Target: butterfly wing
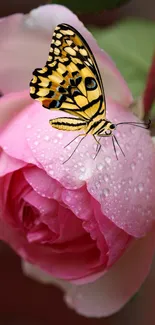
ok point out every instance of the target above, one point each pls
(70, 80)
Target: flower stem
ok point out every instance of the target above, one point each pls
(149, 92)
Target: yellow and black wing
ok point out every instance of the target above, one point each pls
(70, 81)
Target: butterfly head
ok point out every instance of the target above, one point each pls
(108, 129)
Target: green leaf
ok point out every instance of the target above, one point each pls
(131, 45)
(91, 6)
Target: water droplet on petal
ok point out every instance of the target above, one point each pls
(130, 180)
(108, 160)
(140, 187)
(59, 135)
(29, 126)
(133, 165)
(36, 143)
(67, 198)
(100, 167)
(106, 192)
(139, 154)
(46, 138)
(106, 178)
(119, 185)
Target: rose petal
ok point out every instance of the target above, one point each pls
(9, 164)
(24, 36)
(109, 181)
(42, 183)
(12, 104)
(37, 274)
(15, 146)
(110, 293)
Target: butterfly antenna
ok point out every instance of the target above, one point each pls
(74, 149)
(138, 124)
(114, 147)
(119, 145)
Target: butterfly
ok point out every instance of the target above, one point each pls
(71, 82)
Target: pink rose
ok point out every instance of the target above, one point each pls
(74, 220)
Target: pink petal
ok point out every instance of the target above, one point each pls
(117, 240)
(42, 183)
(9, 164)
(24, 46)
(37, 274)
(111, 292)
(12, 135)
(12, 104)
(124, 187)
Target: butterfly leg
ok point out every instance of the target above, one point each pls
(84, 135)
(73, 140)
(98, 148)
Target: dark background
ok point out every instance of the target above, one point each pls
(22, 300)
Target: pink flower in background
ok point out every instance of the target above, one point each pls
(74, 220)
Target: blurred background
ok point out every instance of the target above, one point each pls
(24, 301)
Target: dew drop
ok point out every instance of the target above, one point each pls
(29, 126)
(100, 167)
(108, 160)
(133, 165)
(36, 143)
(55, 140)
(67, 198)
(51, 172)
(147, 196)
(130, 180)
(38, 136)
(106, 192)
(140, 187)
(82, 169)
(139, 154)
(59, 135)
(97, 184)
(106, 178)
(46, 138)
